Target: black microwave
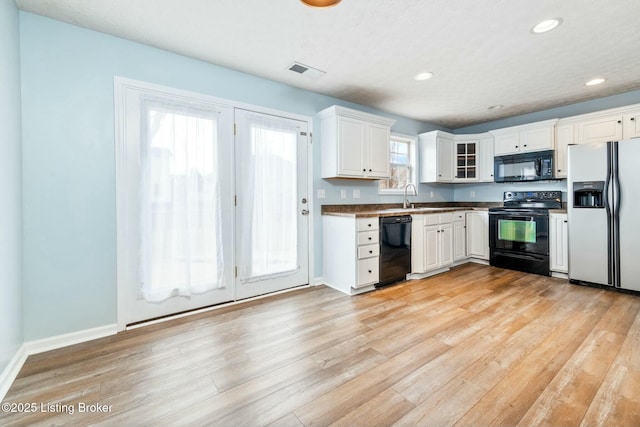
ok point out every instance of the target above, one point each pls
(536, 166)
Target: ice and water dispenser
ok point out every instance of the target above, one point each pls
(588, 194)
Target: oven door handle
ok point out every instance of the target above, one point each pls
(527, 217)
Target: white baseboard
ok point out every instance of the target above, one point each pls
(8, 376)
(318, 281)
(64, 340)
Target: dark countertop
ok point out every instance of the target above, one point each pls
(393, 209)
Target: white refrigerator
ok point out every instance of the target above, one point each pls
(603, 200)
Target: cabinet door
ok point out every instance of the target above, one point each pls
(631, 125)
(508, 143)
(537, 139)
(486, 160)
(351, 136)
(564, 138)
(478, 235)
(602, 129)
(431, 255)
(445, 160)
(459, 240)
(446, 244)
(558, 243)
(377, 150)
(466, 159)
(368, 271)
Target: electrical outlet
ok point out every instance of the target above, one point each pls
(431, 194)
(321, 193)
(473, 194)
(343, 194)
(356, 193)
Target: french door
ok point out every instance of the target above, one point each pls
(272, 203)
(205, 216)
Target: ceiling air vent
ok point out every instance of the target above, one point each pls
(306, 70)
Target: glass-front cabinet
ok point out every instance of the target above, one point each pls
(466, 159)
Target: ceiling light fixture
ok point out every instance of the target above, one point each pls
(424, 76)
(496, 107)
(594, 82)
(546, 25)
(320, 3)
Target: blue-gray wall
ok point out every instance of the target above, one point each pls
(10, 214)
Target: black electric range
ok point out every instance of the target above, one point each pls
(519, 231)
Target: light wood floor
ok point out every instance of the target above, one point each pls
(477, 346)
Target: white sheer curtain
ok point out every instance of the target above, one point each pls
(181, 243)
(268, 180)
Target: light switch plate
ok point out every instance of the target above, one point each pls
(321, 193)
(356, 193)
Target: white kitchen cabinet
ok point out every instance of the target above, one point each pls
(431, 242)
(459, 236)
(478, 234)
(631, 125)
(354, 144)
(538, 136)
(558, 243)
(600, 129)
(466, 156)
(564, 138)
(351, 253)
(486, 159)
(436, 157)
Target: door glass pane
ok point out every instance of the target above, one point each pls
(269, 194)
(181, 245)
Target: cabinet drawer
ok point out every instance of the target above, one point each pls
(368, 271)
(366, 224)
(431, 219)
(446, 218)
(459, 216)
(367, 237)
(368, 251)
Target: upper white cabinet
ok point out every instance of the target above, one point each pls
(354, 144)
(436, 157)
(631, 125)
(456, 158)
(609, 125)
(600, 129)
(538, 136)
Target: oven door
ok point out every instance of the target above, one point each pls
(520, 241)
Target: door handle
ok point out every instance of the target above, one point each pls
(305, 212)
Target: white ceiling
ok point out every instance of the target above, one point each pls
(481, 51)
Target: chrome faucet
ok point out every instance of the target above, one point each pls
(405, 202)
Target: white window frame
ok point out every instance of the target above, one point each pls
(413, 164)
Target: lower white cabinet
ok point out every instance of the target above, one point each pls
(351, 253)
(459, 236)
(431, 242)
(558, 243)
(478, 234)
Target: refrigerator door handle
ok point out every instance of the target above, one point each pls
(607, 206)
(617, 203)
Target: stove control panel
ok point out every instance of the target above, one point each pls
(532, 196)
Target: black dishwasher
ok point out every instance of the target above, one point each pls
(395, 249)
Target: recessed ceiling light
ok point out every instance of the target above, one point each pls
(320, 3)
(546, 25)
(424, 76)
(594, 82)
(496, 107)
